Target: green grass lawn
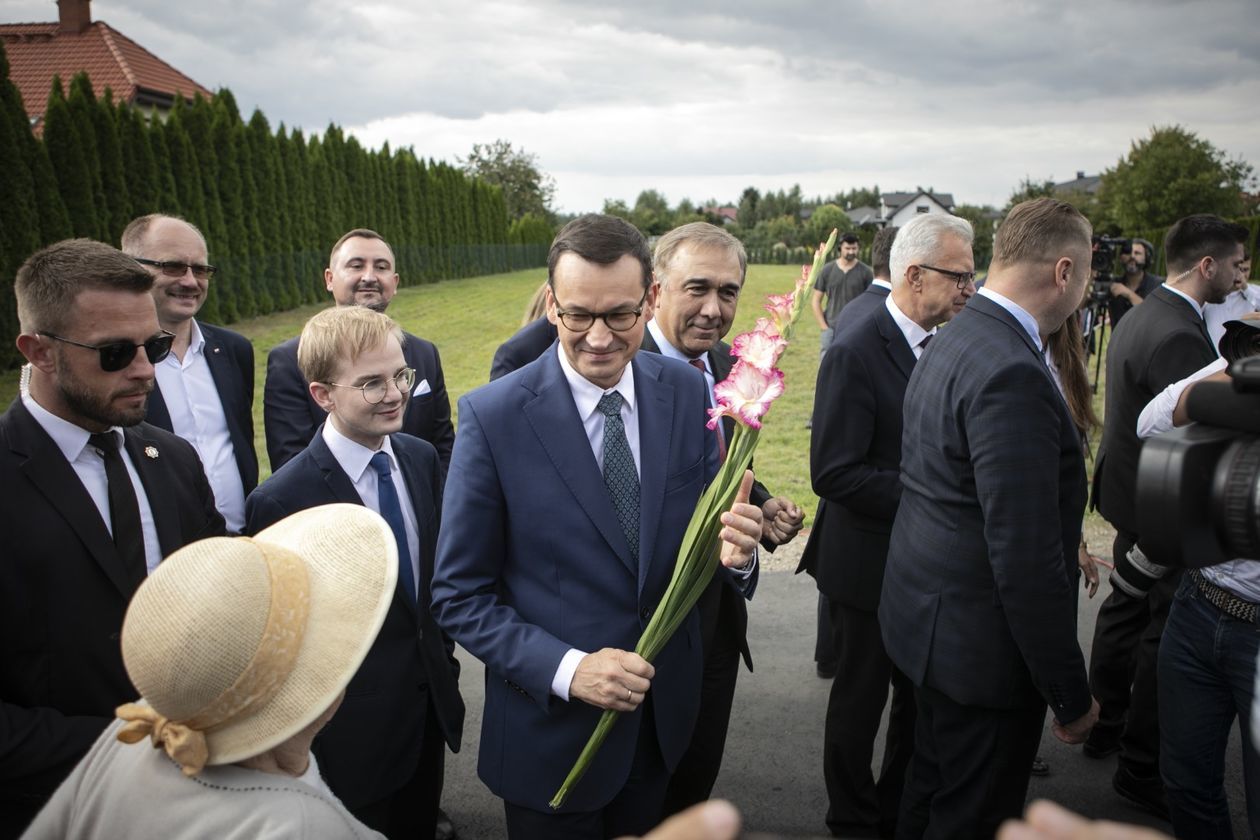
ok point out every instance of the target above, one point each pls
(467, 319)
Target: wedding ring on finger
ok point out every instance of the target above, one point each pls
(629, 696)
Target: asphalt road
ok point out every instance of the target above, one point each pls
(773, 764)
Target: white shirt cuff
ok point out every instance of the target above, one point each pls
(564, 674)
(745, 574)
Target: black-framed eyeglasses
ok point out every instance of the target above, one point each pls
(174, 268)
(961, 278)
(619, 320)
(375, 390)
(116, 355)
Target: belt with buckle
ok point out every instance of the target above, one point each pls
(1226, 601)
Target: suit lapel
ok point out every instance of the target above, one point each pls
(47, 469)
(157, 413)
(1186, 311)
(223, 371)
(421, 500)
(146, 457)
(338, 483)
(656, 411)
(553, 417)
(895, 341)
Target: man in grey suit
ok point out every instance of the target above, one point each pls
(977, 606)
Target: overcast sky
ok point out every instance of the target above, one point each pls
(702, 99)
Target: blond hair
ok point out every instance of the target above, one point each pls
(341, 334)
(1040, 230)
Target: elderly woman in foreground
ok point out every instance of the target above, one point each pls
(241, 650)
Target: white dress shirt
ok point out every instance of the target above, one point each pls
(1236, 304)
(883, 284)
(89, 466)
(670, 351)
(915, 334)
(355, 461)
(197, 415)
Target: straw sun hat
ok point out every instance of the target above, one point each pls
(237, 644)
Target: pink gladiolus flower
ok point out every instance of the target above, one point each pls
(716, 415)
(759, 349)
(763, 325)
(748, 391)
(780, 308)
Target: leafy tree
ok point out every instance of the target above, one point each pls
(1028, 189)
(113, 176)
(526, 187)
(823, 221)
(982, 220)
(69, 163)
(652, 214)
(749, 202)
(1171, 174)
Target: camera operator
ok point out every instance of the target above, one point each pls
(1157, 344)
(1207, 658)
(1136, 256)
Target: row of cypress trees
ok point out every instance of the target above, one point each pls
(270, 203)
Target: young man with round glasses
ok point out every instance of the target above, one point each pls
(382, 755)
(94, 499)
(205, 387)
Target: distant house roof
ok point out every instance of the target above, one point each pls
(896, 200)
(727, 213)
(863, 215)
(39, 51)
(1081, 184)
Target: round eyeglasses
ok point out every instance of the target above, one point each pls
(618, 320)
(374, 390)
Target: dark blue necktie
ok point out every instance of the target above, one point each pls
(387, 498)
(620, 476)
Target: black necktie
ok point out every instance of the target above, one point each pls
(620, 476)
(124, 512)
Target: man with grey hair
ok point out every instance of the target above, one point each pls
(205, 388)
(700, 271)
(855, 458)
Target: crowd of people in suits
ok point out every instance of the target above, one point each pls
(542, 535)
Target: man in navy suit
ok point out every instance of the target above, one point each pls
(383, 752)
(525, 345)
(205, 387)
(360, 273)
(699, 271)
(94, 499)
(572, 483)
(978, 601)
(855, 462)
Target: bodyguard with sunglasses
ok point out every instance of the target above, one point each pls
(94, 498)
(205, 387)
(383, 753)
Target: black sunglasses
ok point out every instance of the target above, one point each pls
(116, 355)
(174, 268)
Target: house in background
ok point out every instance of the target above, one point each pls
(897, 208)
(1082, 185)
(39, 51)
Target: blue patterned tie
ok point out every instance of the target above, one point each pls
(387, 498)
(620, 476)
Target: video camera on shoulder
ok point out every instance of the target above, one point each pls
(1198, 487)
(1107, 250)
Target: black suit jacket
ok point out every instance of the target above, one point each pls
(372, 745)
(723, 607)
(291, 416)
(856, 310)
(63, 593)
(855, 457)
(1158, 343)
(525, 345)
(231, 360)
(979, 590)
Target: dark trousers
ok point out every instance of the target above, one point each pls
(697, 771)
(858, 806)
(411, 811)
(970, 768)
(635, 810)
(1123, 666)
(825, 642)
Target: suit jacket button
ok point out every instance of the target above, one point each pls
(113, 637)
(645, 613)
(419, 633)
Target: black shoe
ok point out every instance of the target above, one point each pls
(826, 670)
(1144, 791)
(1102, 742)
(445, 828)
(1040, 767)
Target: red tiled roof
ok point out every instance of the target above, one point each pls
(38, 51)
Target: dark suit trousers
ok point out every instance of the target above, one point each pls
(970, 768)
(858, 805)
(825, 643)
(697, 771)
(634, 811)
(411, 811)
(1122, 668)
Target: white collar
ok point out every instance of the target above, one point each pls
(354, 457)
(70, 439)
(883, 284)
(1026, 320)
(913, 332)
(668, 349)
(586, 394)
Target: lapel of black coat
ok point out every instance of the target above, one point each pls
(1184, 310)
(156, 413)
(340, 488)
(147, 457)
(47, 469)
(224, 372)
(720, 362)
(552, 415)
(420, 490)
(895, 340)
